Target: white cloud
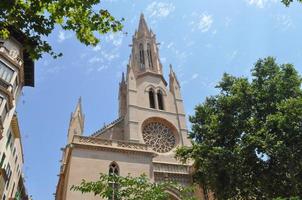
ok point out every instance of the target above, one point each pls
(194, 76)
(63, 36)
(203, 23)
(260, 3)
(97, 48)
(109, 55)
(95, 59)
(159, 9)
(115, 38)
(284, 22)
(102, 67)
(233, 55)
(170, 45)
(227, 22)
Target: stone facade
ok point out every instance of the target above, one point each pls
(150, 126)
(16, 71)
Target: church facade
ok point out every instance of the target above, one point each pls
(151, 124)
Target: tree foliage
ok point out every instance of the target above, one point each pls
(37, 19)
(247, 140)
(288, 2)
(131, 188)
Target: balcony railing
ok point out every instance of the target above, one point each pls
(111, 143)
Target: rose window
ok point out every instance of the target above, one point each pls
(159, 137)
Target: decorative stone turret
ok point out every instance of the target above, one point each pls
(76, 124)
(122, 97)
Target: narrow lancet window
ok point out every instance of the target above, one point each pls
(141, 56)
(151, 98)
(149, 56)
(113, 171)
(160, 100)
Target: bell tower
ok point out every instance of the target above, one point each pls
(148, 97)
(144, 56)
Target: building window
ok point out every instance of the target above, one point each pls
(9, 138)
(141, 56)
(113, 171)
(149, 56)
(14, 151)
(151, 98)
(9, 174)
(13, 189)
(16, 158)
(4, 113)
(6, 73)
(160, 100)
(2, 160)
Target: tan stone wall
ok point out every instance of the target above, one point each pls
(88, 164)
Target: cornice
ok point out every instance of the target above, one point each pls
(99, 144)
(155, 110)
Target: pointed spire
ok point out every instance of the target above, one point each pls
(78, 108)
(171, 69)
(142, 27)
(76, 124)
(123, 77)
(173, 79)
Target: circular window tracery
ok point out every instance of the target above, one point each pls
(159, 136)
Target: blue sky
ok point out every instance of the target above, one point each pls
(201, 39)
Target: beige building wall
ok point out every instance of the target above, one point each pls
(14, 74)
(90, 163)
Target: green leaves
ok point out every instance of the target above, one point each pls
(37, 18)
(132, 188)
(288, 2)
(247, 140)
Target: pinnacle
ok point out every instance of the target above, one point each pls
(78, 107)
(143, 27)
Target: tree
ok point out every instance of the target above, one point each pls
(131, 188)
(36, 19)
(247, 140)
(288, 2)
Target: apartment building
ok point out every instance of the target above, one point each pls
(16, 71)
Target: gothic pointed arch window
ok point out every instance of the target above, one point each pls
(151, 98)
(160, 100)
(141, 57)
(149, 54)
(113, 171)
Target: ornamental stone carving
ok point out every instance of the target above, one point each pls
(159, 137)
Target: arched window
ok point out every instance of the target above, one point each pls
(151, 98)
(160, 100)
(113, 171)
(149, 56)
(141, 56)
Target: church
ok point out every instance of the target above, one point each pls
(151, 124)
